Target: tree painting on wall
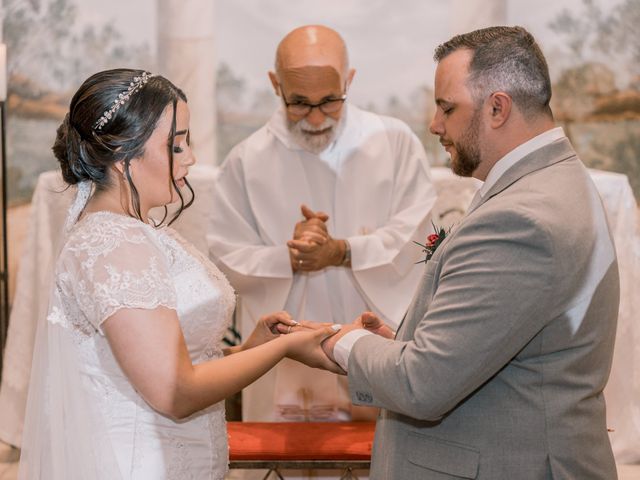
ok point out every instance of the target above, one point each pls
(598, 99)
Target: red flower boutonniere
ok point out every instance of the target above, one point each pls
(433, 242)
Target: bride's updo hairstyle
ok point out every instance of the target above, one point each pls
(111, 117)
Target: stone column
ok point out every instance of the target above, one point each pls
(186, 56)
(468, 15)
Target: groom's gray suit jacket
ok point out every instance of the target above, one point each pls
(498, 368)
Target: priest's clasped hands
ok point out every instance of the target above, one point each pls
(312, 247)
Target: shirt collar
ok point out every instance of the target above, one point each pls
(517, 154)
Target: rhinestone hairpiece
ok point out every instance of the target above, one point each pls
(136, 84)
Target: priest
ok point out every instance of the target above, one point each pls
(316, 213)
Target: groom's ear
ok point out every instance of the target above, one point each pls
(274, 81)
(500, 104)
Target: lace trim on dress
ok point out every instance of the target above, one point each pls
(113, 262)
(145, 289)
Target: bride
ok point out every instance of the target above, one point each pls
(129, 374)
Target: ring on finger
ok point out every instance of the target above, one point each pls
(289, 329)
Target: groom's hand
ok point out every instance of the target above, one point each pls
(329, 343)
(370, 321)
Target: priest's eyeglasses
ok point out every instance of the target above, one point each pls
(302, 109)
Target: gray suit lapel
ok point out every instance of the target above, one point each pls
(555, 152)
(545, 156)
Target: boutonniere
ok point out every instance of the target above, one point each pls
(433, 242)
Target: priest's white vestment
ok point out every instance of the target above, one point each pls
(374, 183)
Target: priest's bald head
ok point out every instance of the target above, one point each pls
(311, 77)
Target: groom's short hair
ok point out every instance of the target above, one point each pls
(505, 59)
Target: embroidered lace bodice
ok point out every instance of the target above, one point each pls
(111, 262)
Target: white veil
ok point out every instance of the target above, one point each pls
(64, 436)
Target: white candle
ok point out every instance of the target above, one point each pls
(3, 72)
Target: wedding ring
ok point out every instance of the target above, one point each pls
(289, 329)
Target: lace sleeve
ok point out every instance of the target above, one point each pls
(118, 263)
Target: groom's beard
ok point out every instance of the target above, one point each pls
(468, 154)
(315, 142)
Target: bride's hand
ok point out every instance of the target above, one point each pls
(305, 345)
(370, 321)
(301, 326)
(269, 327)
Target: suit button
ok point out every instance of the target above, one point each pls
(364, 397)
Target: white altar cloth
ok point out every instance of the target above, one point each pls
(49, 208)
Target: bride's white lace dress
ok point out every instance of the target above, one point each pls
(111, 262)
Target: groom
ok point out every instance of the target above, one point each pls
(498, 368)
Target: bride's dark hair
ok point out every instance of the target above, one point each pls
(86, 151)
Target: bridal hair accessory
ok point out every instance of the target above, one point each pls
(136, 84)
